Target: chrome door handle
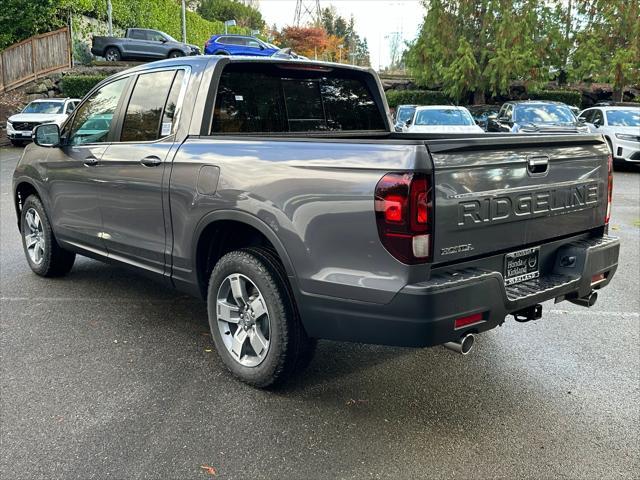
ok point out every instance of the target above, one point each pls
(91, 161)
(151, 161)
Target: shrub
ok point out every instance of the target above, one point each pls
(77, 86)
(570, 97)
(416, 97)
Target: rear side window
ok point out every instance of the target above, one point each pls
(269, 99)
(146, 108)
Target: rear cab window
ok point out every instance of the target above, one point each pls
(283, 98)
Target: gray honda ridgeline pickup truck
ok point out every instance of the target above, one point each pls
(278, 191)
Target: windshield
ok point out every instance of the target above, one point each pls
(448, 116)
(170, 38)
(404, 114)
(541, 113)
(624, 118)
(44, 107)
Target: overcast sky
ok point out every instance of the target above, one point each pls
(375, 19)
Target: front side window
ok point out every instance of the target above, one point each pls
(93, 119)
(404, 114)
(598, 117)
(155, 36)
(146, 106)
(624, 118)
(269, 99)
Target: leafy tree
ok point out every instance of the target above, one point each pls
(222, 10)
(355, 49)
(21, 19)
(307, 41)
(470, 46)
(608, 44)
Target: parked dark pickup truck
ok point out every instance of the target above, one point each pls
(141, 44)
(298, 214)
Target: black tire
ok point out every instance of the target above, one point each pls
(17, 143)
(54, 261)
(112, 54)
(290, 349)
(175, 54)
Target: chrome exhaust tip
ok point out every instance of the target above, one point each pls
(464, 346)
(587, 301)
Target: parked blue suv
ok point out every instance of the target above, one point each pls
(238, 45)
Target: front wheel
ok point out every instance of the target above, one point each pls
(176, 54)
(45, 257)
(17, 143)
(253, 319)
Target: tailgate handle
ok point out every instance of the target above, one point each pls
(538, 166)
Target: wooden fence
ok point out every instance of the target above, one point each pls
(34, 57)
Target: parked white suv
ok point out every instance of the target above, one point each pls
(441, 119)
(45, 110)
(620, 127)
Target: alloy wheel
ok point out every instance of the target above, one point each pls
(243, 320)
(34, 236)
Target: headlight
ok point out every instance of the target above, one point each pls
(9, 124)
(633, 138)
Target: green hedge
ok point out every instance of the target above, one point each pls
(164, 15)
(570, 97)
(416, 97)
(77, 86)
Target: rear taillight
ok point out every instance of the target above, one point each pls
(609, 189)
(404, 213)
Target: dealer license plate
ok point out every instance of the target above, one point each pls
(521, 265)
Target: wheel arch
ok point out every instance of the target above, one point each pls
(212, 239)
(104, 51)
(22, 190)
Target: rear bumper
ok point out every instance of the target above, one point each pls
(423, 314)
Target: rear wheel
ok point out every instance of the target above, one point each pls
(253, 319)
(45, 257)
(112, 54)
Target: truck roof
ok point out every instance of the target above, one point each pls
(205, 59)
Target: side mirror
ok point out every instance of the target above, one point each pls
(582, 119)
(164, 40)
(597, 123)
(408, 122)
(46, 135)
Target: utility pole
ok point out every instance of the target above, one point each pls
(109, 18)
(184, 22)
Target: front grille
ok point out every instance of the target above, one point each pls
(25, 125)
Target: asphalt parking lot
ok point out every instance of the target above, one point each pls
(105, 374)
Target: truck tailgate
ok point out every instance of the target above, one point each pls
(507, 193)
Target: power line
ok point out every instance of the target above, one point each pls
(307, 12)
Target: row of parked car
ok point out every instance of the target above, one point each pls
(148, 45)
(620, 124)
